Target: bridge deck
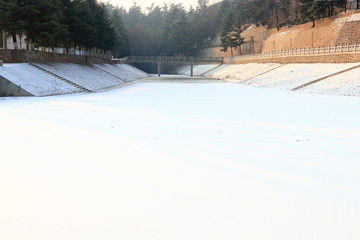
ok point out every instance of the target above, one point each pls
(172, 59)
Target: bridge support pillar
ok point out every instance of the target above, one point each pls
(159, 69)
(191, 70)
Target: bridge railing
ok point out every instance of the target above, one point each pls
(175, 58)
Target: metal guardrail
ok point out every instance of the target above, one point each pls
(305, 51)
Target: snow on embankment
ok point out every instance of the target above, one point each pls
(290, 76)
(345, 84)
(60, 76)
(242, 72)
(35, 81)
(198, 70)
(93, 77)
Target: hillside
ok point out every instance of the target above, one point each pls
(342, 29)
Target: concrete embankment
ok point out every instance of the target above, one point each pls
(44, 79)
(321, 78)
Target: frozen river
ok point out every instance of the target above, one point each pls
(180, 159)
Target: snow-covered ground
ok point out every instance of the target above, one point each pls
(93, 77)
(34, 80)
(199, 70)
(179, 160)
(84, 75)
(242, 72)
(290, 76)
(345, 84)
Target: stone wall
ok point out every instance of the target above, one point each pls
(342, 29)
(325, 58)
(350, 33)
(20, 56)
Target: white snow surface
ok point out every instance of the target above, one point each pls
(345, 84)
(242, 72)
(177, 160)
(90, 76)
(87, 76)
(289, 76)
(34, 80)
(200, 70)
(117, 70)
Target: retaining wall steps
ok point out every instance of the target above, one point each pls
(83, 89)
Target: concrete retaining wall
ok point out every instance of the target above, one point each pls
(326, 58)
(9, 89)
(21, 56)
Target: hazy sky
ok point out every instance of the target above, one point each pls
(145, 3)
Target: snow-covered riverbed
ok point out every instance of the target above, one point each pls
(180, 160)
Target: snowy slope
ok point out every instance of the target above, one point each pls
(179, 161)
(35, 81)
(84, 75)
(345, 84)
(242, 72)
(199, 70)
(132, 73)
(125, 72)
(290, 76)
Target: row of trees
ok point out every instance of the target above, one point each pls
(168, 29)
(235, 15)
(311, 10)
(62, 23)
(277, 13)
(160, 30)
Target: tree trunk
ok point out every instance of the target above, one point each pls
(277, 18)
(345, 5)
(14, 41)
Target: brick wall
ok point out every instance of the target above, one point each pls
(20, 56)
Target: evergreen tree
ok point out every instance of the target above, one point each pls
(122, 45)
(12, 22)
(230, 35)
(307, 10)
(42, 21)
(176, 35)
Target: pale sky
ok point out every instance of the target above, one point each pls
(146, 3)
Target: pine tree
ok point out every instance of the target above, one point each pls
(12, 22)
(230, 34)
(176, 34)
(122, 45)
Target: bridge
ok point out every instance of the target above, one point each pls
(174, 59)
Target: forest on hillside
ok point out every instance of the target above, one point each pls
(154, 30)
